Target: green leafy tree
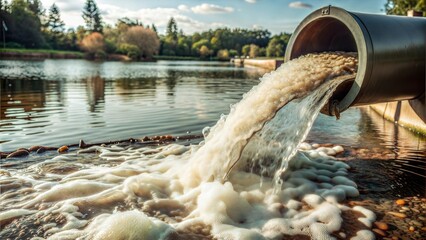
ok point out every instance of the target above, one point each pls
(254, 50)
(184, 46)
(169, 43)
(223, 54)
(205, 52)
(233, 53)
(92, 17)
(172, 30)
(70, 40)
(24, 26)
(246, 50)
(400, 7)
(36, 7)
(275, 48)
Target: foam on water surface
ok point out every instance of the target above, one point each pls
(239, 183)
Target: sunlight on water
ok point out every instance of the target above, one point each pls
(183, 192)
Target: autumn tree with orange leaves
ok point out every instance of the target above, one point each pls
(94, 45)
(145, 39)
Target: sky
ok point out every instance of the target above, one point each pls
(199, 15)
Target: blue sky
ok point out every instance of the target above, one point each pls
(200, 15)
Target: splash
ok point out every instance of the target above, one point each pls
(210, 190)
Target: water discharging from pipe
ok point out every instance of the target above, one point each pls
(209, 190)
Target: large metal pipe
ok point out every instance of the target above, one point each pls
(391, 55)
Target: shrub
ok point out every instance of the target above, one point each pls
(132, 51)
(93, 43)
(223, 54)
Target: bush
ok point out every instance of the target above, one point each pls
(100, 54)
(132, 51)
(93, 43)
(233, 53)
(110, 46)
(146, 40)
(223, 54)
(14, 45)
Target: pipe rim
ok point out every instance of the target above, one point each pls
(362, 40)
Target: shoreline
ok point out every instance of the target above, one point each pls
(41, 54)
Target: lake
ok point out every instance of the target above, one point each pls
(59, 102)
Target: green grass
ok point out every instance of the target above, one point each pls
(160, 57)
(45, 51)
(269, 58)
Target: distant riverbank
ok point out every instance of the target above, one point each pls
(39, 54)
(17, 53)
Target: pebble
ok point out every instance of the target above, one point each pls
(63, 149)
(41, 150)
(411, 229)
(380, 232)
(19, 153)
(381, 225)
(400, 202)
(82, 144)
(417, 223)
(34, 148)
(397, 214)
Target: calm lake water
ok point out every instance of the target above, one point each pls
(58, 102)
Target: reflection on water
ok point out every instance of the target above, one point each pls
(56, 102)
(396, 157)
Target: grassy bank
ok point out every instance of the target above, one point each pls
(38, 53)
(182, 58)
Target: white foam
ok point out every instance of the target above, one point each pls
(369, 218)
(364, 235)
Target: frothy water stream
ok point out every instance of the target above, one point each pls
(239, 183)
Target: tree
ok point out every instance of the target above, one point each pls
(254, 50)
(223, 54)
(93, 44)
(275, 48)
(24, 25)
(92, 17)
(54, 22)
(154, 28)
(145, 39)
(36, 7)
(246, 50)
(172, 30)
(400, 7)
(204, 51)
(55, 27)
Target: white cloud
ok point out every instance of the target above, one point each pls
(206, 8)
(251, 1)
(71, 12)
(299, 5)
(184, 8)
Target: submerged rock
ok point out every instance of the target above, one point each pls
(18, 153)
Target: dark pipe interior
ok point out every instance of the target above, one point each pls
(325, 35)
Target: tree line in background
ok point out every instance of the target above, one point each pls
(29, 25)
